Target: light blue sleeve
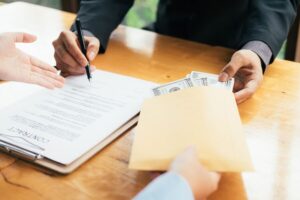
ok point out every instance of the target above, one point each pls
(167, 186)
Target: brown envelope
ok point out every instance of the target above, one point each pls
(205, 117)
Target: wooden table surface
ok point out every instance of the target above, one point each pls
(271, 118)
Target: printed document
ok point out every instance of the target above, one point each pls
(63, 124)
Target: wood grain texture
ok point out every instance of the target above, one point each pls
(270, 118)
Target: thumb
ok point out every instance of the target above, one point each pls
(93, 48)
(215, 176)
(190, 150)
(231, 68)
(187, 155)
(22, 37)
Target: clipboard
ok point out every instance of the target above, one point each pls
(39, 160)
(15, 145)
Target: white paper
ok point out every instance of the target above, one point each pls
(63, 124)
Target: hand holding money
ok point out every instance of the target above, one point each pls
(245, 66)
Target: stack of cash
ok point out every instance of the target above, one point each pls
(194, 79)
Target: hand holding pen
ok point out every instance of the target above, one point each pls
(68, 55)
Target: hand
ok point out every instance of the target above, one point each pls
(245, 67)
(202, 182)
(15, 65)
(68, 56)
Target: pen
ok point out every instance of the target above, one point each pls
(82, 47)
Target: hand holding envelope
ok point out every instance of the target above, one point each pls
(205, 117)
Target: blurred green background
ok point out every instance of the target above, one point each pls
(141, 14)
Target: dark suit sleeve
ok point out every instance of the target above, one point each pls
(269, 21)
(101, 17)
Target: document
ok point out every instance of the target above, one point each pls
(204, 117)
(63, 124)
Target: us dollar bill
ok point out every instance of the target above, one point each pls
(173, 86)
(207, 79)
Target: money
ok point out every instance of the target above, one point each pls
(194, 79)
(173, 86)
(206, 79)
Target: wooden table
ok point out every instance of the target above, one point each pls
(271, 118)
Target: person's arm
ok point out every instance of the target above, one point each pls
(167, 186)
(263, 51)
(265, 28)
(269, 21)
(101, 17)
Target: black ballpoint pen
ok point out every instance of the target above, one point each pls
(82, 47)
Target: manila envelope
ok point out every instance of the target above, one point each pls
(204, 117)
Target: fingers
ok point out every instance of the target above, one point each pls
(201, 181)
(44, 68)
(245, 66)
(65, 74)
(237, 61)
(68, 56)
(92, 68)
(238, 85)
(65, 58)
(246, 92)
(215, 177)
(67, 69)
(71, 47)
(189, 152)
(93, 45)
(229, 71)
(188, 156)
(40, 64)
(22, 37)
(44, 75)
(71, 70)
(39, 79)
(56, 79)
